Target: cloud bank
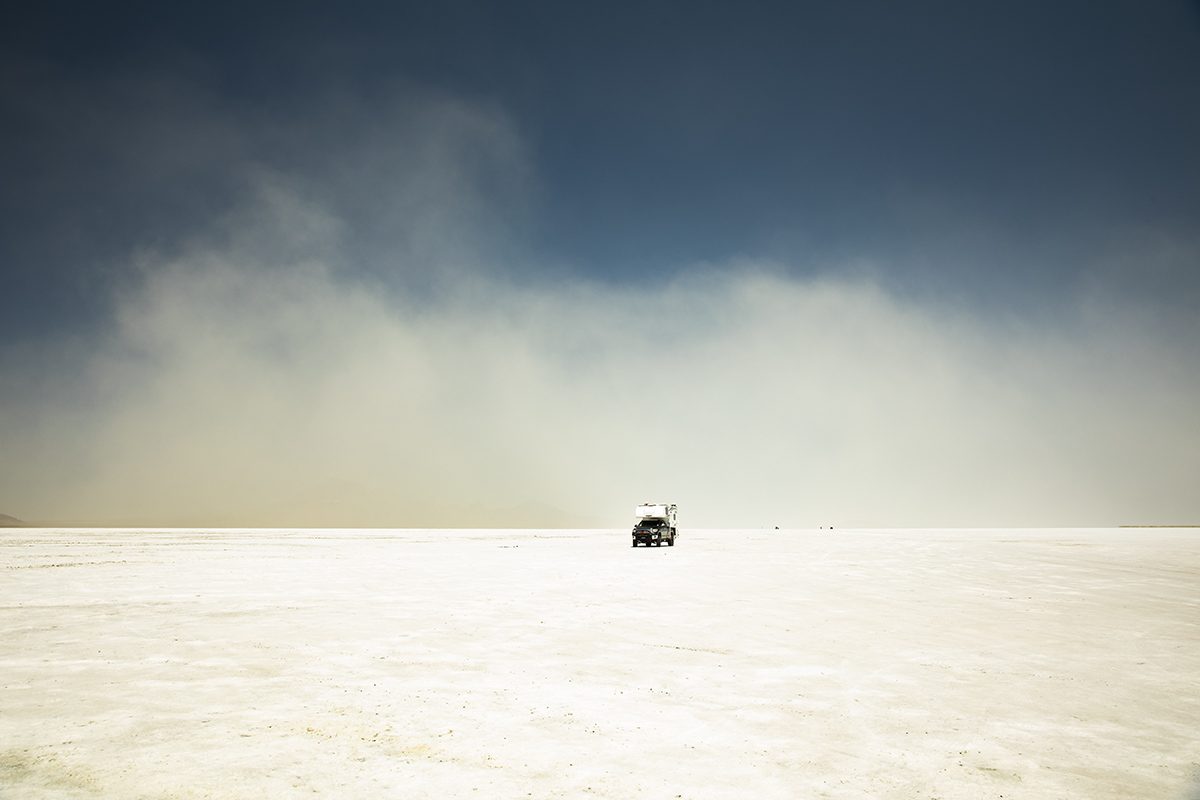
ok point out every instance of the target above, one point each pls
(350, 344)
(284, 397)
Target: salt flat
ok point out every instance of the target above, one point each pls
(503, 664)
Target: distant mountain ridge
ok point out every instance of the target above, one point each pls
(341, 504)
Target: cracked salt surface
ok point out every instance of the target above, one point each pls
(481, 664)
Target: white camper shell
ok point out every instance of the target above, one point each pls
(655, 525)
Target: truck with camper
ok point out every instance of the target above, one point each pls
(655, 525)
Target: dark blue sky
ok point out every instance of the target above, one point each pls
(432, 264)
(1001, 153)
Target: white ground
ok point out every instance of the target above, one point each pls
(508, 664)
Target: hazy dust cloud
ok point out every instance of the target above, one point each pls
(357, 344)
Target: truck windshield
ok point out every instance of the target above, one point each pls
(650, 523)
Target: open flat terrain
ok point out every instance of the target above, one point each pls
(1032, 664)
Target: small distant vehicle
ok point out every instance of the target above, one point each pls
(655, 525)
